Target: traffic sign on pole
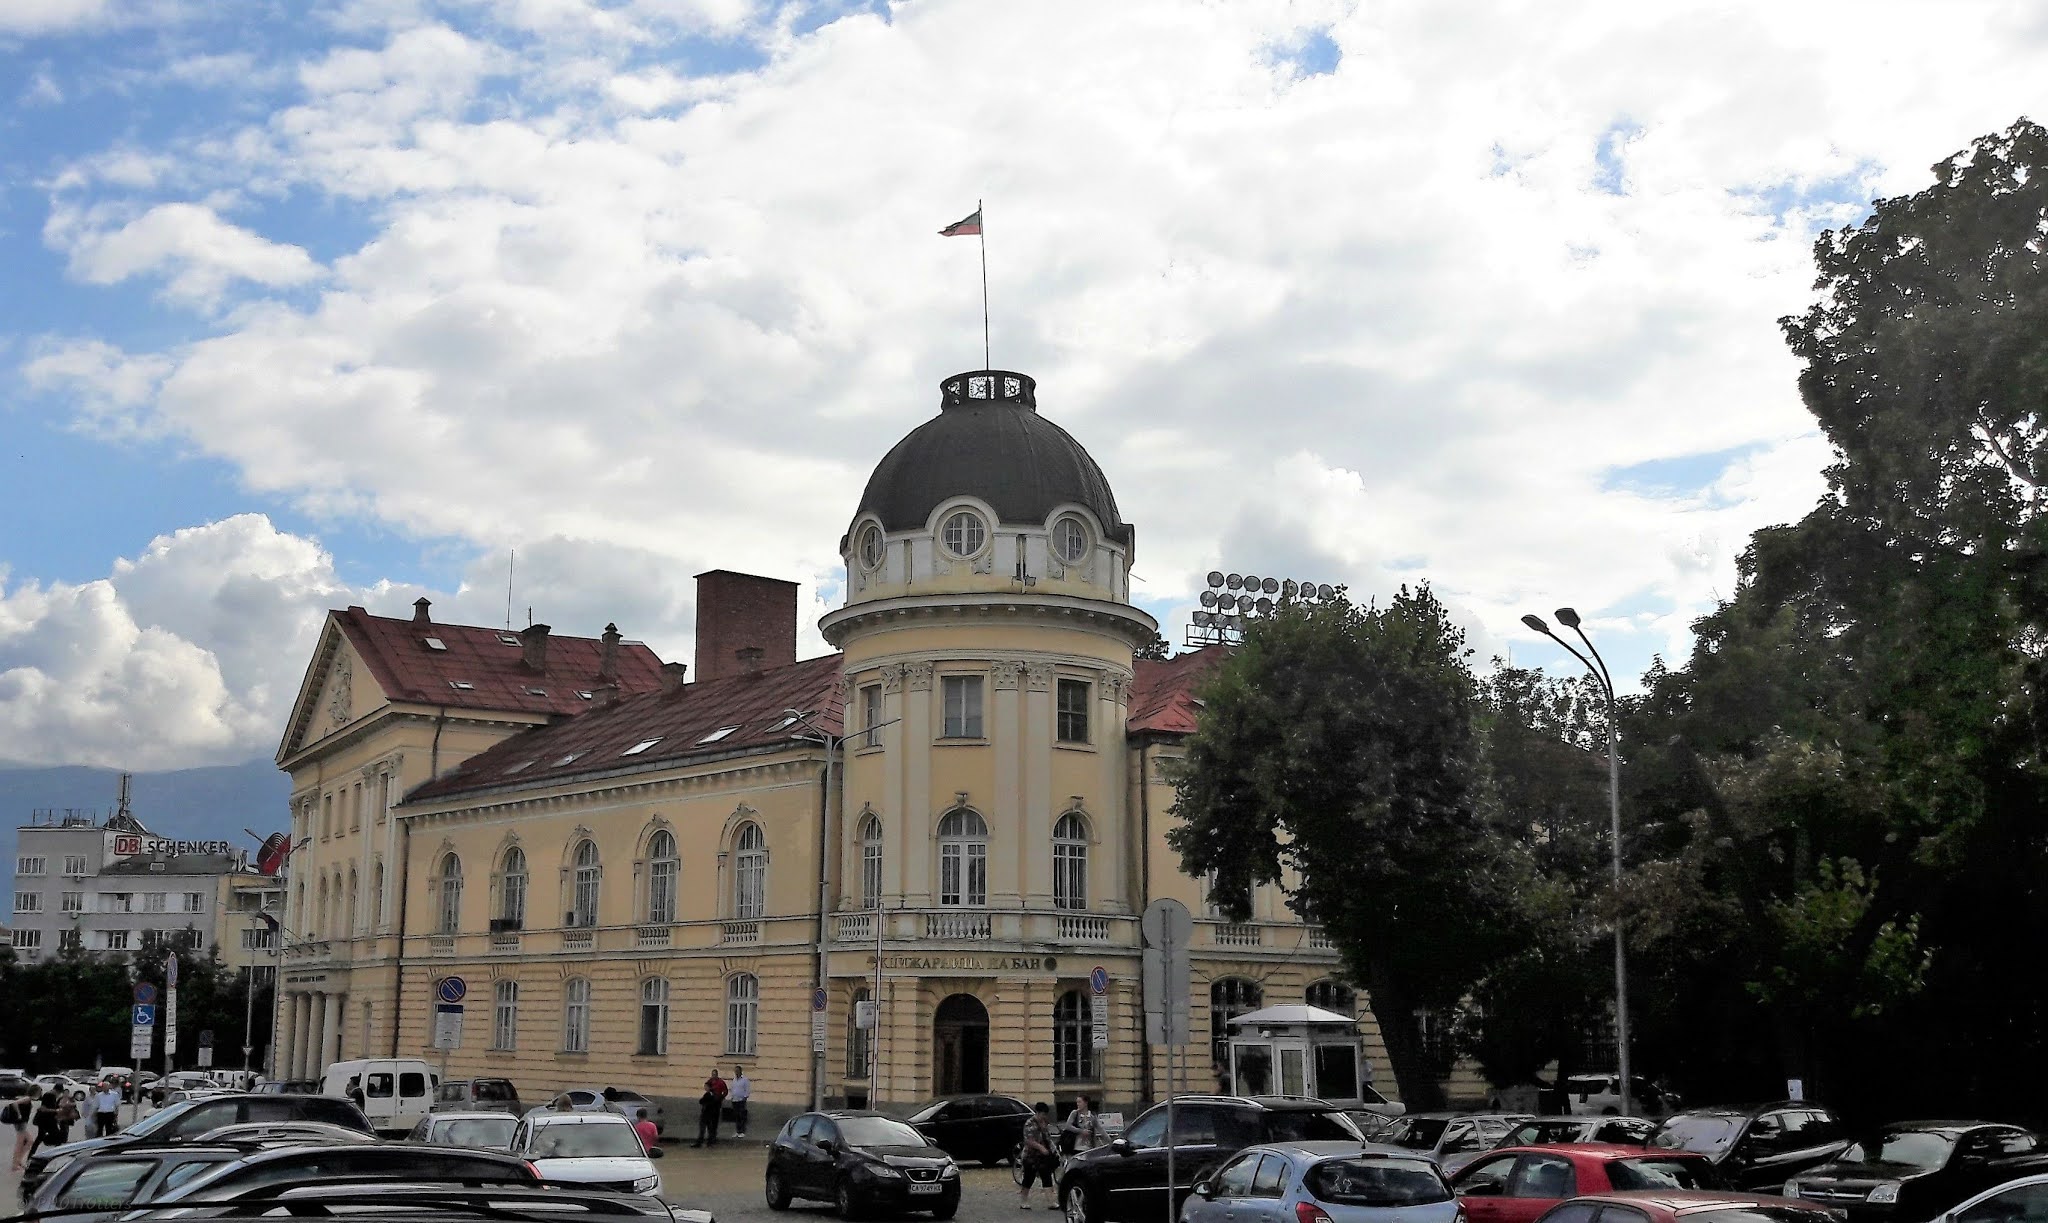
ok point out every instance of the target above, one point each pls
(145, 993)
(447, 1026)
(1168, 928)
(144, 1016)
(453, 990)
(1098, 1012)
(820, 1001)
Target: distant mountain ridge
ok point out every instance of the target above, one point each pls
(206, 804)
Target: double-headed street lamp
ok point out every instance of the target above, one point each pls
(1598, 667)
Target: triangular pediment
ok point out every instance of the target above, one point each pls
(337, 690)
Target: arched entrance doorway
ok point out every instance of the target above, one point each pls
(960, 1046)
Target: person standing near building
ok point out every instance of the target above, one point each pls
(708, 1106)
(17, 1117)
(106, 1105)
(50, 1128)
(645, 1128)
(1083, 1130)
(742, 1091)
(1038, 1159)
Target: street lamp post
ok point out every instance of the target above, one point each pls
(1598, 667)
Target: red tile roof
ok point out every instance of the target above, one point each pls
(678, 722)
(1163, 693)
(408, 669)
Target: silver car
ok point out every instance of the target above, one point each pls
(623, 1101)
(1322, 1182)
(489, 1130)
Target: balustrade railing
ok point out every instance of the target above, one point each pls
(1237, 934)
(651, 936)
(578, 940)
(971, 926)
(1079, 928)
(739, 932)
(856, 927)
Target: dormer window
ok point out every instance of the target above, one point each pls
(1069, 539)
(964, 533)
(872, 546)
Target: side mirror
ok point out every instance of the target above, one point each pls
(1204, 1189)
(1121, 1146)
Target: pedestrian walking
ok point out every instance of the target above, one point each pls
(708, 1106)
(17, 1117)
(742, 1091)
(1038, 1158)
(645, 1128)
(1083, 1129)
(106, 1114)
(50, 1131)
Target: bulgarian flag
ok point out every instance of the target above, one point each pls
(966, 227)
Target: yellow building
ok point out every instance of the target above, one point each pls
(663, 877)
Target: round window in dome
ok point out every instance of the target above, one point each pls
(871, 546)
(963, 533)
(1069, 539)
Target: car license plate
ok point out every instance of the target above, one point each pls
(925, 1186)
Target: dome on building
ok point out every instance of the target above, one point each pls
(988, 441)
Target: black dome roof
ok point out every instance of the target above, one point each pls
(989, 441)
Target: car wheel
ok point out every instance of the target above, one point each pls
(842, 1197)
(1074, 1204)
(778, 1191)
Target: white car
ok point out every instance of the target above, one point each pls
(63, 1085)
(591, 1150)
(2013, 1202)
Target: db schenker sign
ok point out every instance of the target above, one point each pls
(131, 844)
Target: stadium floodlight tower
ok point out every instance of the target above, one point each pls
(1234, 599)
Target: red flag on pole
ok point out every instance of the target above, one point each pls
(965, 227)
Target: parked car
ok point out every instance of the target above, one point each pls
(1757, 1149)
(1674, 1206)
(982, 1128)
(1596, 1095)
(1518, 1184)
(1452, 1139)
(492, 1130)
(282, 1132)
(393, 1092)
(194, 1118)
(1322, 1182)
(380, 1200)
(606, 1100)
(2022, 1201)
(478, 1096)
(1125, 1181)
(1916, 1170)
(98, 1189)
(1616, 1131)
(63, 1085)
(593, 1150)
(860, 1161)
(289, 1087)
(262, 1173)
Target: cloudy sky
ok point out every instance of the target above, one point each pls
(314, 304)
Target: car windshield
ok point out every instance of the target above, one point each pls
(1293, 1126)
(1914, 1148)
(588, 1141)
(1654, 1173)
(476, 1131)
(1376, 1182)
(161, 1118)
(1762, 1214)
(928, 1111)
(878, 1132)
(1536, 1133)
(1418, 1133)
(1707, 1133)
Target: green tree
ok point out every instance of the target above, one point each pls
(1337, 754)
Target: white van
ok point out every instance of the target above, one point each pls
(393, 1092)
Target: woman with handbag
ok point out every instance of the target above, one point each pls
(1038, 1160)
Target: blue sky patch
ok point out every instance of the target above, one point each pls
(1610, 171)
(1315, 54)
(1683, 475)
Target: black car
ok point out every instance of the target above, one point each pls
(192, 1118)
(1125, 1181)
(1917, 1169)
(860, 1161)
(1757, 1149)
(983, 1128)
(264, 1174)
(134, 1174)
(404, 1202)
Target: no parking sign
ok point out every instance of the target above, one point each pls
(1098, 984)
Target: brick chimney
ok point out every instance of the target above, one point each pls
(419, 611)
(533, 647)
(608, 662)
(739, 612)
(673, 676)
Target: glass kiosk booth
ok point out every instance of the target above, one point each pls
(1296, 1051)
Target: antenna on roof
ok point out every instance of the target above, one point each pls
(510, 561)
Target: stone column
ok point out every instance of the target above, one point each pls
(284, 1035)
(1007, 882)
(302, 1047)
(895, 819)
(1034, 832)
(330, 1030)
(1108, 886)
(918, 814)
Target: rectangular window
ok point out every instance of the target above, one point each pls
(117, 940)
(505, 1015)
(326, 816)
(74, 864)
(742, 1011)
(28, 902)
(871, 715)
(963, 873)
(355, 810)
(963, 706)
(28, 940)
(30, 865)
(70, 940)
(153, 902)
(258, 940)
(1073, 711)
(195, 902)
(74, 902)
(117, 902)
(576, 1016)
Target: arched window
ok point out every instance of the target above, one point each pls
(576, 1015)
(662, 870)
(750, 874)
(512, 889)
(653, 1017)
(450, 919)
(1228, 998)
(1070, 862)
(505, 1015)
(1073, 1038)
(871, 862)
(963, 858)
(1333, 996)
(742, 1013)
(856, 1036)
(584, 911)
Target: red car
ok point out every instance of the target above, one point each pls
(1677, 1206)
(1517, 1184)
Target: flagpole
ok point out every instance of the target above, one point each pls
(981, 232)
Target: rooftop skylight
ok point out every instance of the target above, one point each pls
(718, 734)
(462, 684)
(536, 692)
(568, 759)
(524, 764)
(435, 643)
(641, 746)
(508, 638)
